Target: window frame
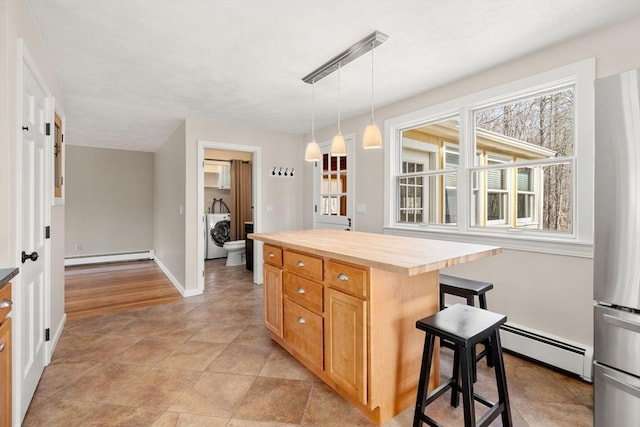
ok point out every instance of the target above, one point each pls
(577, 242)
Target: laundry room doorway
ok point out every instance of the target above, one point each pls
(228, 205)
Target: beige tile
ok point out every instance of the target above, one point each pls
(102, 383)
(61, 373)
(155, 388)
(218, 333)
(148, 351)
(255, 334)
(275, 400)
(215, 394)
(326, 407)
(247, 423)
(193, 355)
(542, 414)
(282, 365)
(51, 411)
(240, 359)
(176, 419)
(121, 416)
(99, 347)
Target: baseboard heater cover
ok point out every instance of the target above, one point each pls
(99, 259)
(563, 354)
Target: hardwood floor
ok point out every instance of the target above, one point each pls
(110, 288)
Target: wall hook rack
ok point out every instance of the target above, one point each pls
(282, 172)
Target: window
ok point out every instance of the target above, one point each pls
(501, 161)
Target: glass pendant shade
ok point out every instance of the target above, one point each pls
(372, 138)
(312, 153)
(338, 146)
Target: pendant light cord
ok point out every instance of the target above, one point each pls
(372, 48)
(313, 113)
(339, 98)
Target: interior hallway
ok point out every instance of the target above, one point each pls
(208, 361)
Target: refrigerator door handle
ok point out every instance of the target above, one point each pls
(625, 324)
(623, 386)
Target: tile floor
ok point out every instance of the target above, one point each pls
(208, 361)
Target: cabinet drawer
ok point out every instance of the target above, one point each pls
(303, 292)
(5, 301)
(272, 255)
(304, 265)
(347, 278)
(303, 332)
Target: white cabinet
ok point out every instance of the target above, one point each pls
(217, 174)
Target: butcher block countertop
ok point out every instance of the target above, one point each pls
(404, 255)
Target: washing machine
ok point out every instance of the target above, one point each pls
(218, 230)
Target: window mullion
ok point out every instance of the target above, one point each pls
(467, 158)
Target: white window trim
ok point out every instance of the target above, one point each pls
(580, 241)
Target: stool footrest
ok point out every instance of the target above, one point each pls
(491, 415)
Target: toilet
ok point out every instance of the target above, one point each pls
(235, 253)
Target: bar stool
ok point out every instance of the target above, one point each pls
(465, 326)
(468, 289)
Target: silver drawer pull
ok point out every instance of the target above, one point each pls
(271, 255)
(300, 264)
(343, 277)
(1, 347)
(301, 320)
(5, 303)
(301, 290)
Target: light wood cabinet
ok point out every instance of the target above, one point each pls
(5, 356)
(345, 304)
(345, 342)
(273, 299)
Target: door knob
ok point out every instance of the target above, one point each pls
(33, 256)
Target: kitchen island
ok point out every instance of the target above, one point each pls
(345, 305)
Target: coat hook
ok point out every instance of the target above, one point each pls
(291, 174)
(286, 172)
(273, 172)
(280, 172)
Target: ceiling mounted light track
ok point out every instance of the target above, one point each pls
(355, 51)
(372, 137)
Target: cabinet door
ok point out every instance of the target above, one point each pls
(273, 299)
(346, 342)
(5, 373)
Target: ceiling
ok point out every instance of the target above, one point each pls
(133, 70)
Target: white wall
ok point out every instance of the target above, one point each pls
(549, 293)
(169, 202)
(283, 196)
(109, 201)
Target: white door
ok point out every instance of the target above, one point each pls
(333, 186)
(33, 218)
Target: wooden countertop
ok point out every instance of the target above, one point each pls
(406, 255)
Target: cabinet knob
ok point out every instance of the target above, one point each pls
(5, 303)
(1, 347)
(301, 320)
(301, 290)
(271, 255)
(300, 264)
(343, 277)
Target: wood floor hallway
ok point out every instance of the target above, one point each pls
(97, 289)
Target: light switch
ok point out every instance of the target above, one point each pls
(361, 208)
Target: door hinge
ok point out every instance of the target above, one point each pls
(47, 232)
(61, 180)
(202, 273)
(62, 138)
(315, 208)
(48, 129)
(47, 334)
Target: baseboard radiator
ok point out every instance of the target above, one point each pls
(571, 357)
(104, 258)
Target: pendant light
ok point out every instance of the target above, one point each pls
(312, 153)
(372, 138)
(338, 146)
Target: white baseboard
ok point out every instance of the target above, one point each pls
(555, 351)
(99, 259)
(53, 343)
(176, 282)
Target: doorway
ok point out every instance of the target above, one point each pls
(205, 147)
